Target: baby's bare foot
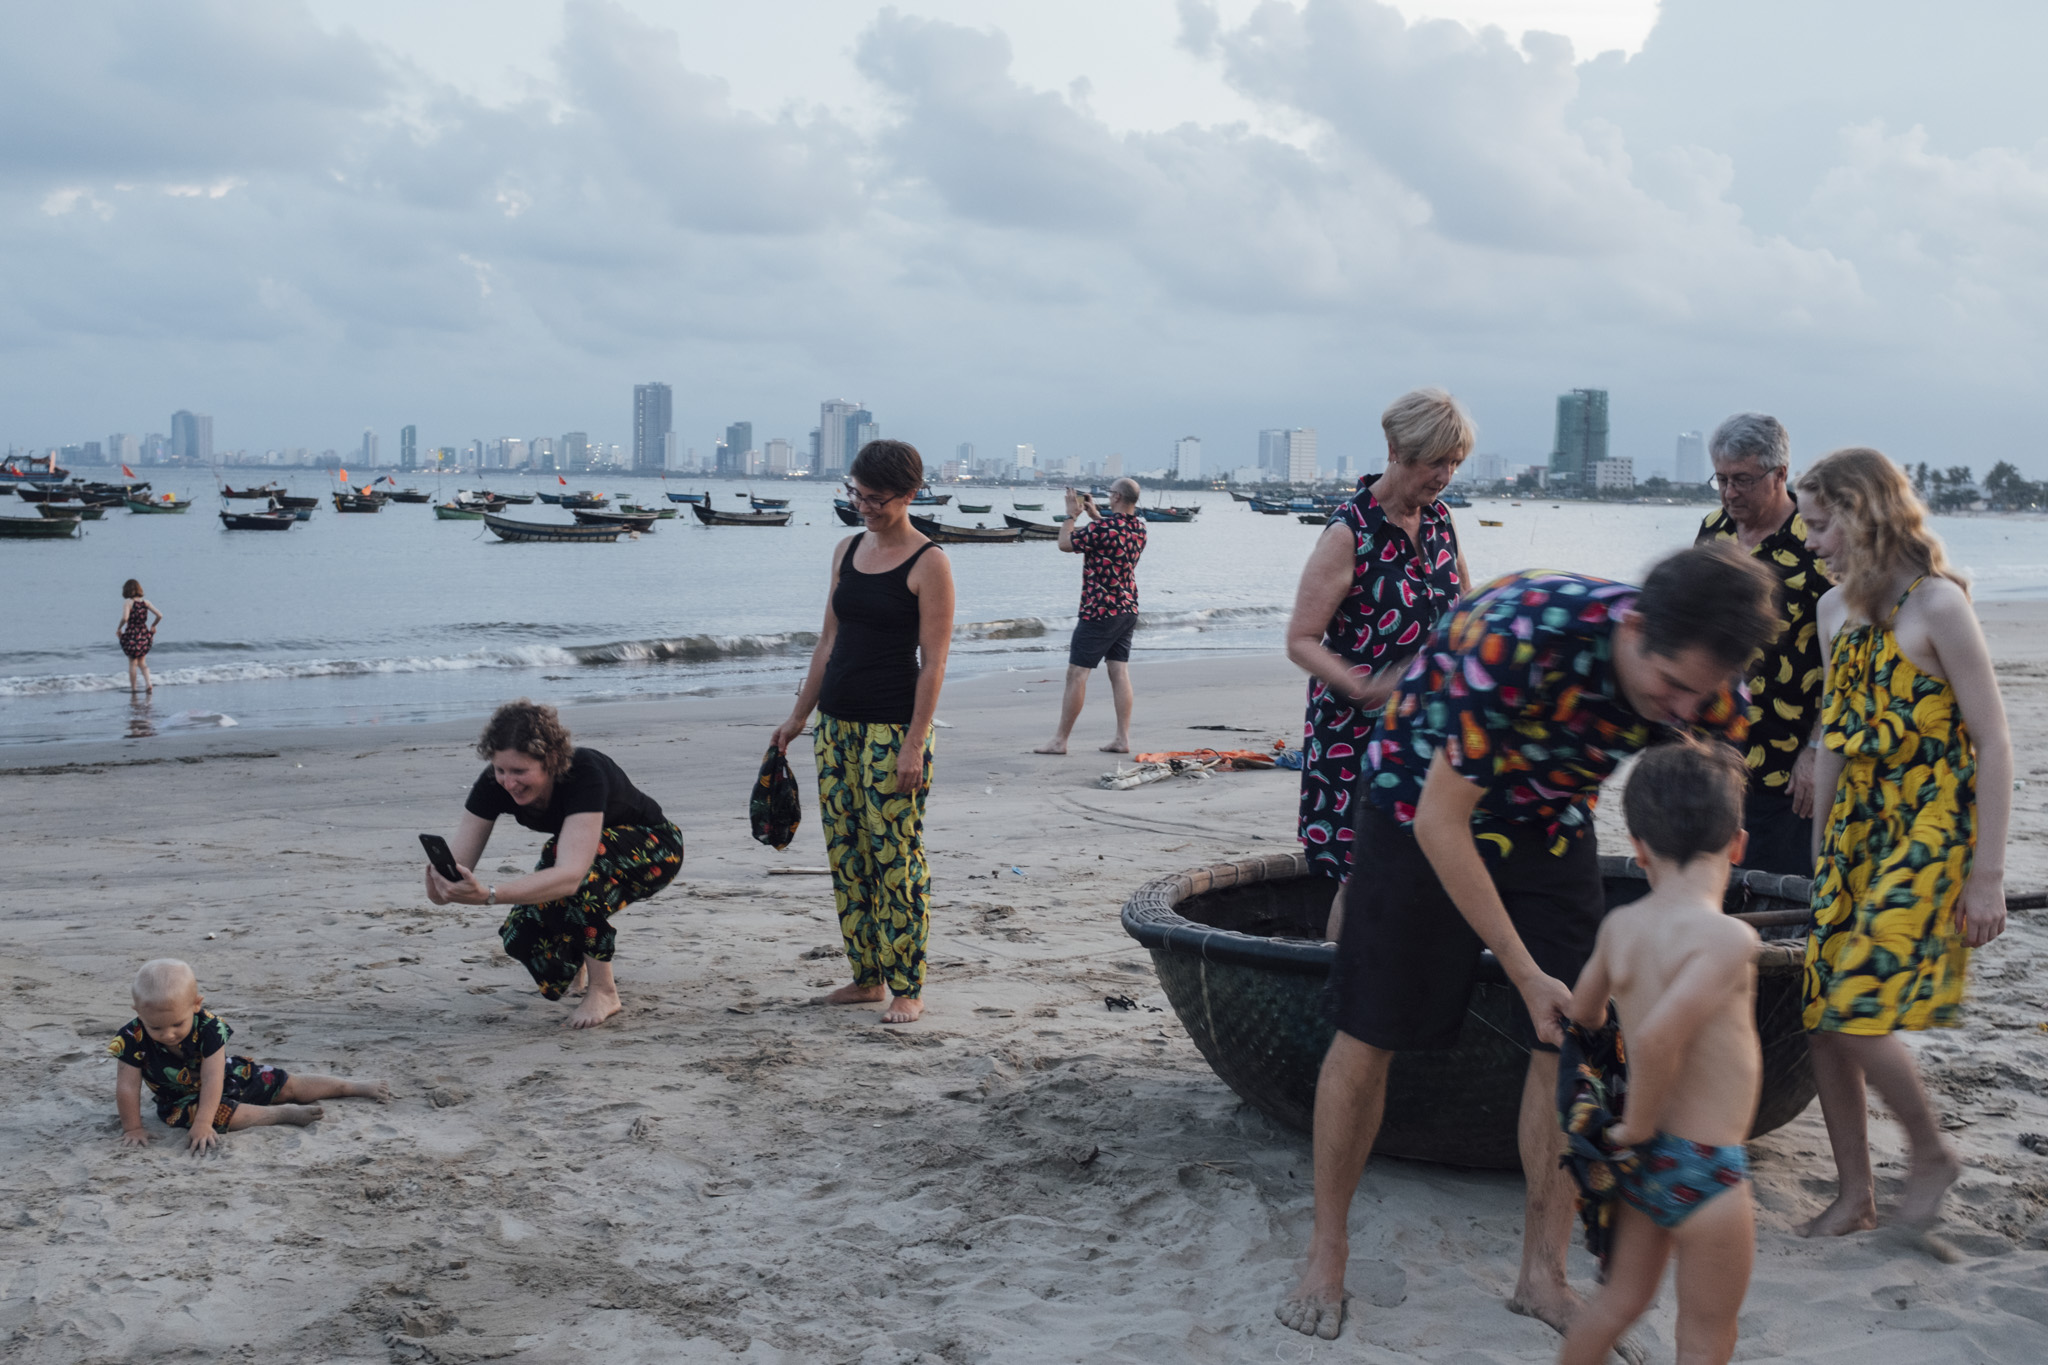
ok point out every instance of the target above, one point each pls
(379, 1091)
(299, 1115)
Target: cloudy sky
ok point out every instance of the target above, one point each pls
(1094, 225)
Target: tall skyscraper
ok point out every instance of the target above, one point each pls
(1581, 437)
(1690, 463)
(964, 453)
(366, 454)
(833, 417)
(408, 447)
(574, 451)
(778, 456)
(191, 436)
(653, 420)
(739, 438)
(861, 428)
(1273, 450)
(1301, 455)
(1027, 457)
(1187, 458)
(121, 448)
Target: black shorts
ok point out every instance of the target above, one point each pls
(1779, 841)
(1108, 638)
(1407, 960)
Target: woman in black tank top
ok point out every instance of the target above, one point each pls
(874, 681)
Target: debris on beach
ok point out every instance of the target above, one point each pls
(1199, 764)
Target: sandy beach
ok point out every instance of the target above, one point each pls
(726, 1173)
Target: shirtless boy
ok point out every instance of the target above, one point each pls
(1683, 977)
(179, 1047)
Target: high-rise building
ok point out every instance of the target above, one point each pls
(366, 454)
(191, 436)
(445, 457)
(121, 448)
(964, 453)
(408, 447)
(574, 451)
(739, 437)
(1027, 458)
(1301, 455)
(1187, 458)
(672, 452)
(540, 453)
(1482, 470)
(778, 456)
(1689, 465)
(653, 420)
(1581, 437)
(1615, 474)
(860, 429)
(835, 417)
(1273, 450)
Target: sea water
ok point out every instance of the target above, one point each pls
(397, 617)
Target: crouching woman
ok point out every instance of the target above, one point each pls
(608, 847)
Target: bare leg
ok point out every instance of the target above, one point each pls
(600, 1000)
(263, 1115)
(132, 678)
(302, 1088)
(1716, 1249)
(1334, 926)
(1070, 710)
(1549, 1204)
(1634, 1269)
(1932, 1166)
(1120, 693)
(1351, 1094)
(852, 995)
(903, 1010)
(1839, 1079)
(148, 683)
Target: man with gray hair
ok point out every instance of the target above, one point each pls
(1109, 548)
(1752, 457)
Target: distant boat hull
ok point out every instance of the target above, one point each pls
(145, 505)
(849, 516)
(356, 502)
(412, 495)
(258, 521)
(534, 532)
(264, 493)
(39, 528)
(1031, 530)
(57, 511)
(1168, 513)
(712, 517)
(683, 497)
(976, 509)
(627, 520)
(448, 511)
(966, 535)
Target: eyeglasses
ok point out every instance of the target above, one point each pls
(1742, 483)
(856, 498)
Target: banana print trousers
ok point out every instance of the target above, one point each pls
(874, 838)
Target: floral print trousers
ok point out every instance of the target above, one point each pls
(552, 939)
(874, 838)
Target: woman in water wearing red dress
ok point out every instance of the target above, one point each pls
(137, 632)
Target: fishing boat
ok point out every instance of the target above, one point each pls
(847, 515)
(1484, 522)
(1238, 949)
(587, 500)
(632, 522)
(526, 532)
(258, 521)
(926, 498)
(514, 499)
(39, 528)
(1312, 518)
(56, 511)
(682, 497)
(292, 504)
(262, 492)
(166, 503)
(710, 516)
(974, 509)
(765, 504)
(1271, 509)
(658, 513)
(966, 535)
(1029, 506)
(1168, 513)
(1455, 500)
(412, 495)
(357, 502)
(19, 471)
(551, 499)
(1031, 530)
(1236, 496)
(48, 492)
(455, 511)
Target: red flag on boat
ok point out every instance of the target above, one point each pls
(127, 471)
(562, 481)
(344, 476)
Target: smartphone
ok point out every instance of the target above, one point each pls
(441, 856)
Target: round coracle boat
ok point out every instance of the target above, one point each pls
(1239, 950)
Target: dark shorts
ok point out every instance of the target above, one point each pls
(1108, 638)
(1779, 841)
(1407, 961)
(242, 1082)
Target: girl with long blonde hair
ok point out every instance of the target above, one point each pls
(1916, 760)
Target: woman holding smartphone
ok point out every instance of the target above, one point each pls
(874, 681)
(608, 846)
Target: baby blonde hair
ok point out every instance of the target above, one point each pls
(164, 980)
(1884, 527)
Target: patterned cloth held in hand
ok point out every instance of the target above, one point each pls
(1592, 1087)
(777, 807)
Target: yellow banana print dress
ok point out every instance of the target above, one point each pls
(1885, 952)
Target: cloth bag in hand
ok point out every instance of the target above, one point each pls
(777, 808)
(1592, 1092)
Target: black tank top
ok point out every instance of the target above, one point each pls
(871, 677)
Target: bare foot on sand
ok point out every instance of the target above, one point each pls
(582, 981)
(1927, 1184)
(1117, 746)
(850, 995)
(379, 1091)
(1316, 1307)
(598, 1005)
(1556, 1305)
(1849, 1213)
(263, 1115)
(902, 1011)
(1051, 746)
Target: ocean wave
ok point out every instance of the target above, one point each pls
(1198, 618)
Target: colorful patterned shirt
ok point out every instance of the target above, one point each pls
(1399, 588)
(1109, 546)
(171, 1073)
(1517, 687)
(1785, 680)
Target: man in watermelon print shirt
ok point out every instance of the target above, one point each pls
(1476, 830)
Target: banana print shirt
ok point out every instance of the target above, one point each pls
(1785, 682)
(1517, 687)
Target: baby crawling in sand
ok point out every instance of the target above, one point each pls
(180, 1048)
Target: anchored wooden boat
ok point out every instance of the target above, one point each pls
(258, 521)
(29, 492)
(262, 492)
(1239, 951)
(1236, 496)
(977, 508)
(57, 511)
(627, 520)
(710, 516)
(39, 528)
(847, 515)
(166, 503)
(588, 501)
(411, 495)
(1168, 513)
(682, 497)
(765, 504)
(357, 502)
(658, 513)
(535, 531)
(455, 511)
(927, 498)
(1312, 518)
(1031, 530)
(17, 470)
(966, 535)
(1029, 506)
(514, 499)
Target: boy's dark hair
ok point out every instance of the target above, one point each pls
(531, 729)
(1710, 597)
(1685, 798)
(888, 467)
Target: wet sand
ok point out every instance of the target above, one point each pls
(723, 1172)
